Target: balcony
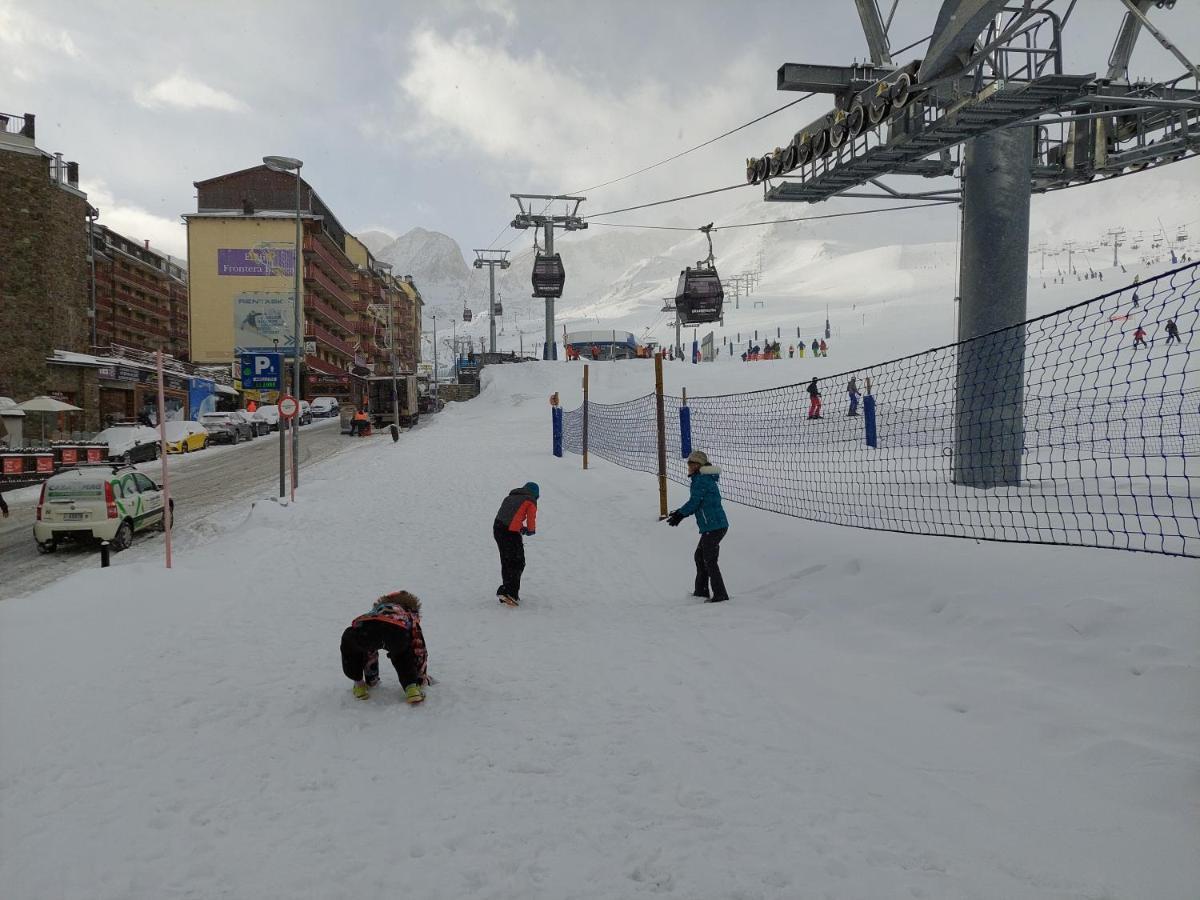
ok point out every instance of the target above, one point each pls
(314, 305)
(315, 277)
(319, 365)
(334, 264)
(329, 339)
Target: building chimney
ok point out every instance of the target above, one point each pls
(58, 168)
(147, 240)
(73, 174)
(247, 207)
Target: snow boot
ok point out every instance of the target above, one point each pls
(508, 601)
(414, 694)
(360, 691)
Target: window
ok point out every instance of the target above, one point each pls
(144, 484)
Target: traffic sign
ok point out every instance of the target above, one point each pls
(288, 406)
(261, 371)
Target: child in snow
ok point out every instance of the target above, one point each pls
(392, 624)
(852, 390)
(1139, 337)
(517, 516)
(1172, 331)
(705, 503)
(814, 400)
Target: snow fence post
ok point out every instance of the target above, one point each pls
(556, 424)
(661, 423)
(685, 428)
(869, 417)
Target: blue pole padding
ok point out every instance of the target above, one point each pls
(869, 420)
(685, 431)
(556, 426)
(695, 352)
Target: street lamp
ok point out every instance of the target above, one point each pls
(288, 164)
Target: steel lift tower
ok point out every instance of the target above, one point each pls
(548, 274)
(991, 83)
(491, 259)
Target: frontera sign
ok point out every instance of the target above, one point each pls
(257, 261)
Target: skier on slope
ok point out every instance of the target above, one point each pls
(517, 516)
(1139, 337)
(392, 624)
(705, 504)
(852, 390)
(814, 400)
(816, 348)
(1172, 331)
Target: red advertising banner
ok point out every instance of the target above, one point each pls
(95, 454)
(14, 465)
(70, 456)
(45, 464)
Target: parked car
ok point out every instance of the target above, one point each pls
(130, 442)
(103, 503)
(184, 437)
(306, 413)
(228, 427)
(325, 407)
(261, 426)
(269, 415)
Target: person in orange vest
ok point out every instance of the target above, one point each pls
(359, 424)
(392, 624)
(595, 352)
(251, 407)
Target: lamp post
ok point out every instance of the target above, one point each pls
(288, 164)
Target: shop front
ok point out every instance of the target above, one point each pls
(350, 390)
(130, 393)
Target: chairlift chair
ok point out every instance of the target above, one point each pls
(548, 275)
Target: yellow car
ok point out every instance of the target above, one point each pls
(184, 437)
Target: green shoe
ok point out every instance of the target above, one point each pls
(413, 694)
(360, 691)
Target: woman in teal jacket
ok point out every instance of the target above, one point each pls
(705, 504)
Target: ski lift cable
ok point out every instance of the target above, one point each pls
(857, 212)
(613, 212)
(683, 153)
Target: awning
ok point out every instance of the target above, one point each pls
(225, 389)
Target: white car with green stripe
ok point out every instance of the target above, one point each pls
(103, 503)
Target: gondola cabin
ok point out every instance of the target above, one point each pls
(699, 297)
(467, 314)
(499, 309)
(548, 275)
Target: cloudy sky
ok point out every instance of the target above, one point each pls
(431, 114)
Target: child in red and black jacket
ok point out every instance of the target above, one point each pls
(516, 517)
(393, 624)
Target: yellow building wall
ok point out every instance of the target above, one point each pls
(211, 296)
(357, 251)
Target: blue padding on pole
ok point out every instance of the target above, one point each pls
(685, 431)
(556, 427)
(554, 349)
(869, 420)
(695, 352)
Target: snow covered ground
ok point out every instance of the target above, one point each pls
(873, 715)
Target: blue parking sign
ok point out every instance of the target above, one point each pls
(261, 371)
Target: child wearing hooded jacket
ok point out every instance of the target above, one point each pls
(392, 624)
(705, 504)
(516, 517)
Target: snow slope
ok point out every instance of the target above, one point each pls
(872, 715)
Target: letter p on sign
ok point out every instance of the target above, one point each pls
(262, 364)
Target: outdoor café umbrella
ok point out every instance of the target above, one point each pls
(45, 404)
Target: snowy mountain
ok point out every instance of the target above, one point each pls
(434, 260)
(375, 241)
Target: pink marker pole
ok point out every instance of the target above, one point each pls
(162, 442)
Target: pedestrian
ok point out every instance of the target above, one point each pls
(791, 351)
(358, 425)
(392, 624)
(704, 503)
(801, 349)
(852, 390)
(824, 348)
(814, 400)
(251, 407)
(1139, 337)
(1172, 331)
(3, 506)
(516, 517)
(595, 352)
(816, 348)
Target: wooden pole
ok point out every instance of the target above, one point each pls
(585, 415)
(162, 443)
(661, 416)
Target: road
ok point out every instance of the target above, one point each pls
(201, 483)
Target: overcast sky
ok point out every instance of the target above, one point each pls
(431, 114)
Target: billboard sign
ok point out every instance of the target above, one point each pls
(262, 322)
(263, 260)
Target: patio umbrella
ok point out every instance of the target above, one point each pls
(45, 404)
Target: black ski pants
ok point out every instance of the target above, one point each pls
(512, 560)
(708, 573)
(361, 644)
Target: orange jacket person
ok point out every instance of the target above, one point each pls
(517, 516)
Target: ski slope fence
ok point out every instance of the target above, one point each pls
(1097, 446)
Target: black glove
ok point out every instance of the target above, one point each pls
(674, 519)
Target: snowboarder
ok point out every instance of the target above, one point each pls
(392, 624)
(852, 390)
(1172, 331)
(516, 517)
(814, 400)
(816, 348)
(1139, 337)
(705, 504)
(801, 349)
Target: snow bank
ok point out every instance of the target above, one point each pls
(872, 715)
